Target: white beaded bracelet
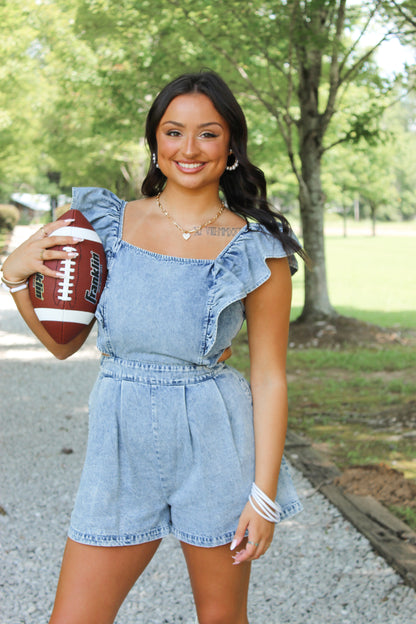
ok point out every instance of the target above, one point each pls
(15, 289)
(263, 505)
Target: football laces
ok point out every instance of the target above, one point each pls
(66, 285)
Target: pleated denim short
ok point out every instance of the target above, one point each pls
(170, 450)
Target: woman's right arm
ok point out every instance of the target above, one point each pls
(28, 259)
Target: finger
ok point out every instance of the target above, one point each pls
(239, 534)
(44, 251)
(57, 225)
(249, 553)
(236, 540)
(45, 230)
(41, 233)
(54, 241)
(47, 272)
(58, 254)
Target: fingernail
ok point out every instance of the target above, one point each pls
(69, 220)
(233, 544)
(59, 274)
(77, 240)
(236, 562)
(73, 254)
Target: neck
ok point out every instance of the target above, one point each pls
(190, 205)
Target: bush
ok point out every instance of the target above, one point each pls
(9, 216)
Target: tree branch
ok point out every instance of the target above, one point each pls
(285, 132)
(352, 70)
(290, 61)
(226, 55)
(407, 16)
(362, 33)
(328, 147)
(334, 71)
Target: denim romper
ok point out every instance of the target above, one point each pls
(171, 443)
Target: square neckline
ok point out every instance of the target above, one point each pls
(167, 257)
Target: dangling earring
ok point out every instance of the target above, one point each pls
(154, 160)
(235, 164)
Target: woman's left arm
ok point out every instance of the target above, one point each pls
(267, 313)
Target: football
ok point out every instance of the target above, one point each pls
(66, 305)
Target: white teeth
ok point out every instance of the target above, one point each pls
(189, 165)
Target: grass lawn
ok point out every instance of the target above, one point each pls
(359, 404)
(372, 279)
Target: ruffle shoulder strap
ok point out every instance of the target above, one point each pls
(102, 209)
(240, 269)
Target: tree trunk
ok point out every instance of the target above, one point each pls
(373, 209)
(356, 208)
(317, 305)
(311, 129)
(344, 220)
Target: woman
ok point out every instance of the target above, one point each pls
(178, 442)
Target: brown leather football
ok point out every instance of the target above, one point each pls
(66, 305)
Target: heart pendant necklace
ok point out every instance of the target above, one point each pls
(186, 234)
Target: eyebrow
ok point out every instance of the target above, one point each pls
(203, 125)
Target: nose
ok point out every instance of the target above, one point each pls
(190, 146)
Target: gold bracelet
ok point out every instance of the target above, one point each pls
(11, 284)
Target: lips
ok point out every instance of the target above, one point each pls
(192, 167)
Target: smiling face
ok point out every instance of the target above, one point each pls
(192, 142)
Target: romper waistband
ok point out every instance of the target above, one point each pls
(155, 373)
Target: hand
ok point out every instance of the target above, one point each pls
(260, 535)
(29, 257)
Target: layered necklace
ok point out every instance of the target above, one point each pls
(187, 233)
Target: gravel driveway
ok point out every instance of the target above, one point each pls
(320, 570)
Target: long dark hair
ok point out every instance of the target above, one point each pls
(245, 187)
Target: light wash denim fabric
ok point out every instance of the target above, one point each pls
(171, 443)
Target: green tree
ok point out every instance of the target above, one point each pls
(401, 122)
(382, 173)
(405, 12)
(23, 94)
(290, 62)
(377, 181)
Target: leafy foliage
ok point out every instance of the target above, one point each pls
(9, 216)
(79, 76)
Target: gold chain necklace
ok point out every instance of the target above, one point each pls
(187, 233)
